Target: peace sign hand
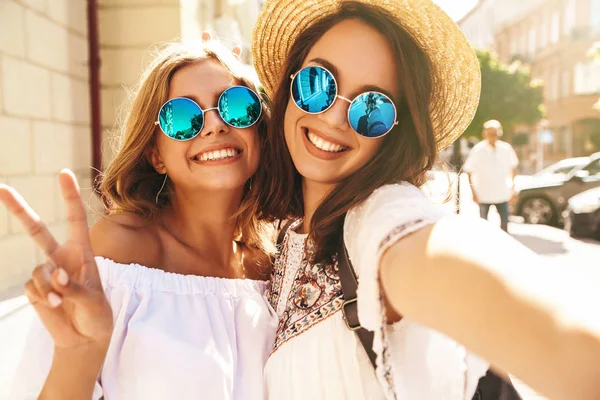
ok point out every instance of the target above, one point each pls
(66, 291)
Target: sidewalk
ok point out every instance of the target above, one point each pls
(15, 316)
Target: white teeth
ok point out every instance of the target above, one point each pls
(324, 145)
(217, 155)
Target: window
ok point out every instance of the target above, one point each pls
(531, 41)
(587, 78)
(593, 168)
(564, 170)
(570, 17)
(554, 27)
(595, 14)
(543, 34)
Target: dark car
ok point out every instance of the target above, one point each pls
(542, 201)
(582, 216)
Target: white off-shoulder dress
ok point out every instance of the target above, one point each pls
(175, 337)
(317, 357)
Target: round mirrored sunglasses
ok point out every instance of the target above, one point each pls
(183, 119)
(371, 114)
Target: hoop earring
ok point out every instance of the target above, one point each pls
(161, 188)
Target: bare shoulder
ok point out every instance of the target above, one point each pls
(125, 238)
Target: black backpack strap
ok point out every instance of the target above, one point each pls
(349, 284)
(488, 387)
(350, 306)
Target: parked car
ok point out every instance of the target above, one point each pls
(563, 167)
(554, 172)
(543, 199)
(582, 216)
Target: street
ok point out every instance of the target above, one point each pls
(552, 243)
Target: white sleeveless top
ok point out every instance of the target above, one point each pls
(175, 337)
(317, 357)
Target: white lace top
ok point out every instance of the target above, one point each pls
(175, 337)
(316, 356)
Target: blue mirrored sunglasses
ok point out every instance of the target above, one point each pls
(371, 114)
(183, 119)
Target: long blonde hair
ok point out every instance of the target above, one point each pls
(130, 183)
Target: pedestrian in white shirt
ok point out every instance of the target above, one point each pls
(491, 166)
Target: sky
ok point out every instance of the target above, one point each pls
(456, 8)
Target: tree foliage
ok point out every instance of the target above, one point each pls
(508, 94)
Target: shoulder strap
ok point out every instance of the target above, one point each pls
(350, 306)
(489, 386)
(349, 284)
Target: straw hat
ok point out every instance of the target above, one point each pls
(456, 74)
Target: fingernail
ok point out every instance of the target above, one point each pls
(54, 300)
(63, 277)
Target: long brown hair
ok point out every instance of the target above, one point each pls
(130, 183)
(406, 154)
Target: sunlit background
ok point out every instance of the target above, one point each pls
(61, 107)
(66, 105)
(457, 8)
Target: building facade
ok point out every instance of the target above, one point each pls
(44, 117)
(553, 37)
(488, 16)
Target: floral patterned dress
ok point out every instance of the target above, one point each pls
(316, 356)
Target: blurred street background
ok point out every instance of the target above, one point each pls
(66, 67)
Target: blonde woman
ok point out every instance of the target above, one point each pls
(172, 304)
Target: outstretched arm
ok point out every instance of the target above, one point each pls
(67, 294)
(487, 291)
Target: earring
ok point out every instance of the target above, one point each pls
(161, 188)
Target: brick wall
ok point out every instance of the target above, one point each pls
(44, 100)
(128, 30)
(44, 117)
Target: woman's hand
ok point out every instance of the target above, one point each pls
(236, 50)
(66, 291)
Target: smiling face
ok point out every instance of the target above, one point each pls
(491, 134)
(366, 49)
(324, 147)
(220, 156)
